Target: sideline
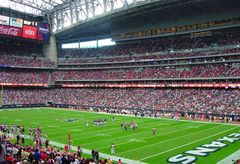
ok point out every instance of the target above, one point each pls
(229, 159)
(86, 151)
(160, 118)
(181, 120)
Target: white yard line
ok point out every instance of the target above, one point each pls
(233, 157)
(122, 143)
(167, 140)
(102, 155)
(185, 144)
(150, 132)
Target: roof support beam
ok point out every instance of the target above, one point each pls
(33, 4)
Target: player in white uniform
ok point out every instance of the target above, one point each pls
(112, 149)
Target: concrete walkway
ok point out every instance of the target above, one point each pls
(233, 157)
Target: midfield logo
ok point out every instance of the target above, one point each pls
(204, 150)
(71, 120)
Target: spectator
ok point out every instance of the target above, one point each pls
(37, 156)
(2, 152)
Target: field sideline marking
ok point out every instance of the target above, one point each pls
(228, 159)
(67, 109)
(161, 118)
(102, 155)
(186, 144)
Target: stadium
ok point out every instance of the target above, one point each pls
(120, 81)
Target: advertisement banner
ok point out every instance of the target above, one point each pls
(4, 20)
(29, 32)
(43, 32)
(187, 85)
(16, 22)
(11, 31)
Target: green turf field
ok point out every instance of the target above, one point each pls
(172, 137)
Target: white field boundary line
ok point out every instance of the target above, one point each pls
(185, 144)
(167, 140)
(68, 109)
(122, 143)
(74, 110)
(89, 152)
(173, 119)
(229, 159)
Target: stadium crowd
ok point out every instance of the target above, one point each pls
(22, 54)
(225, 69)
(17, 61)
(196, 71)
(24, 76)
(20, 76)
(147, 56)
(215, 101)
(175, 61)
(156, 45)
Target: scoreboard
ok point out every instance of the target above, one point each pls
(17, 27)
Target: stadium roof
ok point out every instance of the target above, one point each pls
(36, 7)
(68, 12)
(151, 15)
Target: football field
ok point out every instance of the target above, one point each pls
(175, 141)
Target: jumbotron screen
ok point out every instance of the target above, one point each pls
(24, 29)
